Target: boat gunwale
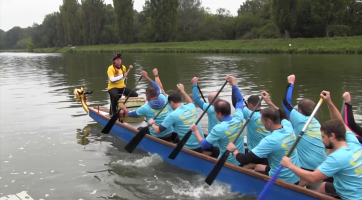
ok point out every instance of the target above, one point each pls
(96, 109)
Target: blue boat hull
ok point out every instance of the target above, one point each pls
(241, 180)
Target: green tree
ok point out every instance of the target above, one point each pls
(92, 20)
(29, 47)
(108, 34)
(164, 19)
(284, 15)
(189, 19)
(71, 25)
(49, 30)
(123, 10)
(329, 12)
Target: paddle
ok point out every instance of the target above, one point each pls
(201, 93)
(131, 146)
(272, 180)
(220, 163)
(115, 116)
(342, 109)
(246, 104)
(179, 146)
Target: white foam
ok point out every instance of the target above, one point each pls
(200, 190)
(94, 191)
(143, 162)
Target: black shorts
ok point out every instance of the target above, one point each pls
(331, 191)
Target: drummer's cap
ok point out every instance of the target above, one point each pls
(115, 56)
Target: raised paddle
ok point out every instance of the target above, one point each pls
(220, 163)
(201, 93)
(115, 116)
(342, 109)
(131, 146)
(183, 141)
(275, 176)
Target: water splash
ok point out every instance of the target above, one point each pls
(146, 161)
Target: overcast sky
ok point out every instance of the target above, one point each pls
(24, 13)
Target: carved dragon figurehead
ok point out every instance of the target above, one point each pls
(80, 94)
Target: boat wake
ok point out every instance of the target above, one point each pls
(178, 188)
(146, 161)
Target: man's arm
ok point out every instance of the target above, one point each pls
(167, 122)
(348, 115)
(181, 88)
(243, 159)
(309, 176)
(287, 100)
(195, 93)
(203, 142)
(333, 111)
(236, 92)
(158, 80)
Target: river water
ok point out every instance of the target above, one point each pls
(53, 150)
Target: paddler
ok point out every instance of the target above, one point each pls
(156, 101)
(274, 146)
(224, 132)
(344, 164)
(180, 119)
(310, 148)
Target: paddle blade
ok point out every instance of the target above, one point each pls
(271, 182)
(131, 146)
(179, 146)
(110, 123)
(215, 171)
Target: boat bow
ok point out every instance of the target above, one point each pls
(81, 95)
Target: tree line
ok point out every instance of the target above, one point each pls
(92, 22)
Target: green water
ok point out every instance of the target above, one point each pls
(50, 147)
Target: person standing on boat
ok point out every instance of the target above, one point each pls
(116, 86)
(310, 148)
(348, 116)
(156, 101)
(274, 146)
(180, 119)
(344, 164)
(229, 127)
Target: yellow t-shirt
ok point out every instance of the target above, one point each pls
(112, 73)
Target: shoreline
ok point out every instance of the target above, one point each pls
(336, 45)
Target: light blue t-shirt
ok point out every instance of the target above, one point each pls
(345, 165)
(181, 119)
(311, 150)
(149, 113)
(255, 128)
(225, 132)
(352, 139)
(275, 146)
(213, 121)
(169, 108)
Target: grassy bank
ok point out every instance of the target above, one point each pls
(350, 45)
